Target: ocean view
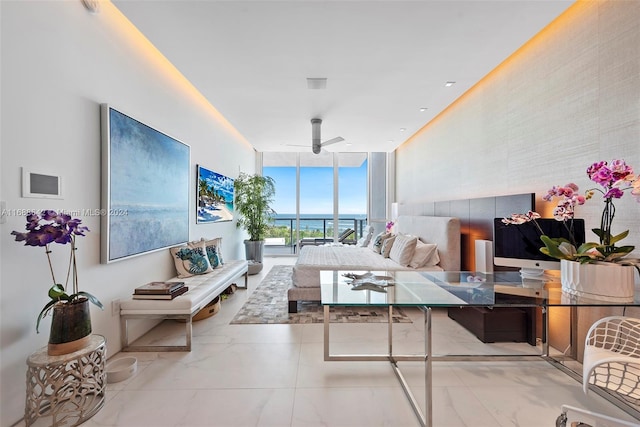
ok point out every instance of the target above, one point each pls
(317, 221)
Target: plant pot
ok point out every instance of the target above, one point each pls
(70, 327)
(603, 281)
(253, 250)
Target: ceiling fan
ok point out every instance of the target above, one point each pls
(316, 144)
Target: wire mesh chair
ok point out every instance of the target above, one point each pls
(594, 419)
(611, 361)
(612, 357)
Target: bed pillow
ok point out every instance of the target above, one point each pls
(191, 259)
(387, 245)
(376, 243)
(367, 234)
(403, 249)
(434, 259)
(424, 254)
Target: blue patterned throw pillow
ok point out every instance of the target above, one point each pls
(191, 260)
(376, 243)
(212, 254)
(214, 251)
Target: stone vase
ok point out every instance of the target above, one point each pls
(253, 250)
(603, 281)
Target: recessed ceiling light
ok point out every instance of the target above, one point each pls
(402, 129)
(449, 84)
(316, 82)
(423, 109)
(390, 141)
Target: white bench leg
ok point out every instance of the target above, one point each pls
(246, 281)
(124, 333)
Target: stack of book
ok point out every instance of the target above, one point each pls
(160, 290)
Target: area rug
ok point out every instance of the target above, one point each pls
(269, 305)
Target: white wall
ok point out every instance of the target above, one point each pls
(58, 64)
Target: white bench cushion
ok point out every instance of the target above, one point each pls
(202, 289)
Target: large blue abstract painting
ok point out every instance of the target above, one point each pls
(145, 188)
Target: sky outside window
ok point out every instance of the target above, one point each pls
(316, 194)
(352, 189)
(285, 180)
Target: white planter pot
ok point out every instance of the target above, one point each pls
(602, 281)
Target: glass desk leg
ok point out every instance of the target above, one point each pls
(428, 377)
(425, 421)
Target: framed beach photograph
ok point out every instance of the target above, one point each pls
(214, 196)
(145, 188)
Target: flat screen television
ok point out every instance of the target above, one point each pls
(519, 245)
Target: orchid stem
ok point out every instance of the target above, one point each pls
(75, 266)
(53, 276)
(71, 261)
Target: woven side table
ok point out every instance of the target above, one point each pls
(68, 389)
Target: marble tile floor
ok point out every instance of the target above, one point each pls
(275, 375)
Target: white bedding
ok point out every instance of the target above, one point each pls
(443, 231)
(315, 258)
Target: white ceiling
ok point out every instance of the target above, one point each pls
(384, 60)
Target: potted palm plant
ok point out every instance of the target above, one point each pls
(71, 321)
(253, 198)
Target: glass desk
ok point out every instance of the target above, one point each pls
(427, 290)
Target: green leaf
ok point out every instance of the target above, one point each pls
(57, 292)
(568, 250)
(585, 258)
(552, 247)
(614, 257)
(91, 299)
(586, 247)
(619, 237)
(624, 250)
(43, 313)
(598, 232)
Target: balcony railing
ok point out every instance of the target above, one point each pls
(281, 238)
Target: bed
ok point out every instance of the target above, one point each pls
(444, 232)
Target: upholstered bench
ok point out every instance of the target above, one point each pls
(203, 288)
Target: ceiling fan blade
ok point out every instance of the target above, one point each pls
(332, 141)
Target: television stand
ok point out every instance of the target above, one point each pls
(500, 324)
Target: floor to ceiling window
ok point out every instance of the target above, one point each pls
(283, 168)
(319, 198)
(316, 195)
(352, 192)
